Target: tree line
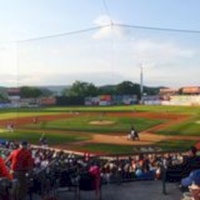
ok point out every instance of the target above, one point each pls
(86, 89)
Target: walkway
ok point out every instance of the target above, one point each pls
(144, 190)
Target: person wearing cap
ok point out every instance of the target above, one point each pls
(21, 163)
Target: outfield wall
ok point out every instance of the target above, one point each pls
(106, 100)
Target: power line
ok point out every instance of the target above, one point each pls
(109, 25)
(99, 27)
(157, 28)
(61, 34)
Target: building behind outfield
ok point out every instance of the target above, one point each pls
(188, 96)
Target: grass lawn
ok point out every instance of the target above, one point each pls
(170, 145)
(191, 127)
(121, 125)
(128, 108)
(82, 123)
(11, 115)
(33, 137)
(106, 148)
(23, 112)
(179, 145)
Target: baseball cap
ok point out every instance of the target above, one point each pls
(193, 177)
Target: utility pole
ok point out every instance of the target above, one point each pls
(141, 81)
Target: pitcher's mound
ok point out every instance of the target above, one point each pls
(102, 122)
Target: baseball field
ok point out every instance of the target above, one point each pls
(104, 130)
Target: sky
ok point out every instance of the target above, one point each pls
(106, 53)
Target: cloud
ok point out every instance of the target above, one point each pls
(15, 80)
(102, 20)
(108, 30)
(165, 62)
(98, 78)
(8, 80)
(156, 52)
(82, 58)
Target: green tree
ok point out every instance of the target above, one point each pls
(151, 90)
(91, 90)
(30, 92)
(46, 92)
(82, 89)
(3, 98)
(128, 88)
(108, 89)
(65, 91)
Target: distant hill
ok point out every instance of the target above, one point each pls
(152, 90)
(149, 90)
(3, 91)
(56, 89)
(105, 89)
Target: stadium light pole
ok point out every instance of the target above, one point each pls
(141, 81)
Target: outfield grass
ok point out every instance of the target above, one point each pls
(106, 148)
(33, 137)
(190, 127)
(171, 145)
(128, 108)
(82, 123)
(121, 124)
(175, 145)
(13, 115)
(23, 112)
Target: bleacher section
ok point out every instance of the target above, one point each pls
(57, 171)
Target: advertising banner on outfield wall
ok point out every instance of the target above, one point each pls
(105, 100)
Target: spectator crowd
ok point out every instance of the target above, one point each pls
(42, 170)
